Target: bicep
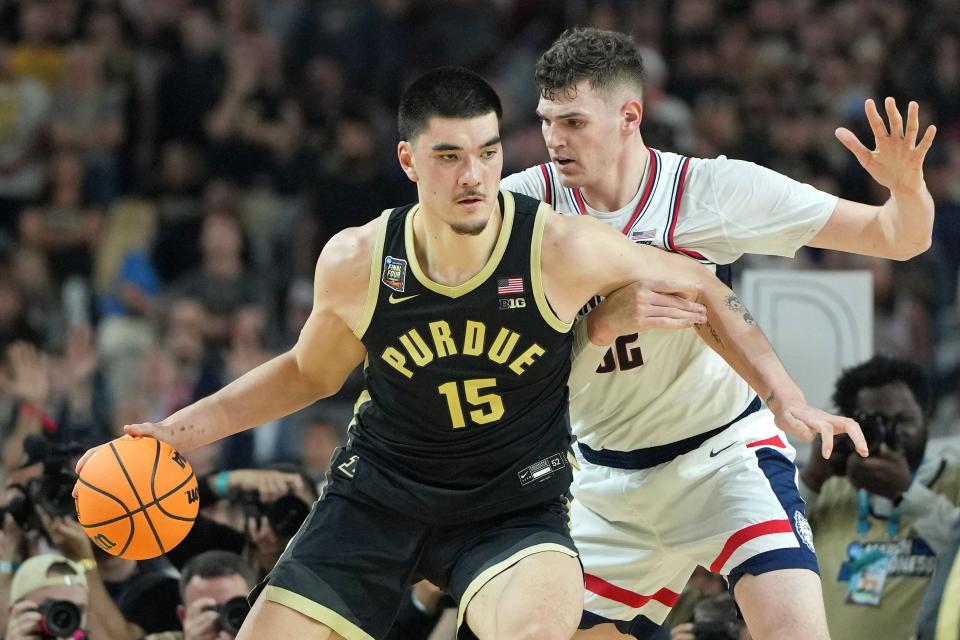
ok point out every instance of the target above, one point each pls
(327, 350)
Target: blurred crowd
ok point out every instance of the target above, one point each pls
(170, 169)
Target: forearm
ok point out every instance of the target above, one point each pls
(732, 332)
(905, 222)
(272, 390)
(104, 617)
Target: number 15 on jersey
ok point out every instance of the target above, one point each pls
(489, 406)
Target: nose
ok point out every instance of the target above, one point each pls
(470, 176)
(551, 136)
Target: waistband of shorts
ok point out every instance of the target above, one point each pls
(652, 456)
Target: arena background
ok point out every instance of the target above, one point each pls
(170, 169)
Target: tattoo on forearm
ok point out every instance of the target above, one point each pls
(769, 399)
(713, 333)
(734, 303)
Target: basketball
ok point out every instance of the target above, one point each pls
(137, 498)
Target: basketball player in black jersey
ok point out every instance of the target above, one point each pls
(456, 469)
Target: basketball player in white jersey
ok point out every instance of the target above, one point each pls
(680, 465)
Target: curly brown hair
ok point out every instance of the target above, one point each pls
(606, 58)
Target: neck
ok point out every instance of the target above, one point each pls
(450, 258)
(617, 186)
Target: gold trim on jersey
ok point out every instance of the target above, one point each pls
(361, 399)
(373, 287)
(481, 276)
(317, 611)
(493, 571)
(536, 277)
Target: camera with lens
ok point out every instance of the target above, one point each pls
(53, 490)
(232, 614)
(59, 619)
(877, 429)
(285, 514)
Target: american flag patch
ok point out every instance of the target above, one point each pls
(638, 236)
(509, 285)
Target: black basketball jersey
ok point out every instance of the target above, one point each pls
(464, 414)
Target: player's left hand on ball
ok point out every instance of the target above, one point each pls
(897, 161)
(805, 421)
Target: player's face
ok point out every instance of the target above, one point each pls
(584, 135)
(456, 163)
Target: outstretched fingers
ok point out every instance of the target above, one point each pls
(876, 120)
(849, 139)
(926, 142)
(913, 122)
(893, 115)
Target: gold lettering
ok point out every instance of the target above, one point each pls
(395, 359)
(417, 348)
(443, 344)
(473, 340)
(527, 358)
(503, 346)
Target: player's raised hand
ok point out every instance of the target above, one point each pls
(644, 305)
(805, 421)
(897, 161)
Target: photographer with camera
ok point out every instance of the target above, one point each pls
(267, 507)
(49, 600)
(213, 587)
(879, 523)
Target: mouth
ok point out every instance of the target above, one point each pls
(470, 201)
(563, 162)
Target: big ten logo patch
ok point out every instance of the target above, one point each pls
(512, 303)
(395, 273)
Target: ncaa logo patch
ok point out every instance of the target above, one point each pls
(804, 532)
(394, 273)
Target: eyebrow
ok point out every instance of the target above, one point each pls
(446, 146)
(561, 116)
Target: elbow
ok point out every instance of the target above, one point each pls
(907, 251)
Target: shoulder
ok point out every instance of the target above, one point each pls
(534, 181)
(567, 237)
(343, 268)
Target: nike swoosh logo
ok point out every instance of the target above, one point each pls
(713, 453)
(395, 300)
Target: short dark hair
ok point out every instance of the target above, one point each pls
(878, 372)
(446, 92)
(605, 58)
(215, 564)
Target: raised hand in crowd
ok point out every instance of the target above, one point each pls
(29, 378)
(269, 484)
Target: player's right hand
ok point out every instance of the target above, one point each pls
(644, 305)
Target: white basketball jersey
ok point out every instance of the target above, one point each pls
(662, 386)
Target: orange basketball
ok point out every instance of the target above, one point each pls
(137, 498)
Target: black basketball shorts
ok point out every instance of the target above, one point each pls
(351, 562)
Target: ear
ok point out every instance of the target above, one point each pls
(632, 114)
(405, 155)
(181, 613)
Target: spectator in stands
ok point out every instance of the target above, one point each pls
(38, 581)
(65, 225)
(210, 580)
(87, 117)
(880, 523)
(25, 103)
